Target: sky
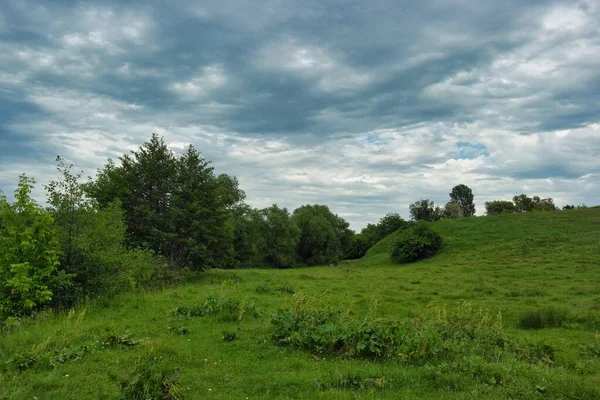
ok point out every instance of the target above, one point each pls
(365, 106)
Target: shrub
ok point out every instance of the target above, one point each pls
(542, 318)
(29, 254)
(416, 242)
(436, 336)
(152, 378)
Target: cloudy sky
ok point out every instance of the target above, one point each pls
(365, 106)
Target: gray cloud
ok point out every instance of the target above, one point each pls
(362, 106)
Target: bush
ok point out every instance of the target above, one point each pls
(29, 254)
(542, 318)
(416, 242)
(152, 378)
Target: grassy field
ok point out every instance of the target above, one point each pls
(541, 272)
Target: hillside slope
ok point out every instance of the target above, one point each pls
(571, 237)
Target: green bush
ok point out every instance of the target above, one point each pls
(416, 242)
(29, 254)
(152, 378)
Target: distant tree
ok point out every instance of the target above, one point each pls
(247, 238)
(496, 207)
(425, 210)
(389, 224)
(540, 204)
(280, 237)
(463, 196)
(568, 207)
(359, 246)
(452, 210)
(523, 203)
(325, 237)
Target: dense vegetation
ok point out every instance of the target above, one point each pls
(509, 308)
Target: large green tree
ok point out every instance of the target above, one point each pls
(463, 196)
(173, 205)
(325, 237)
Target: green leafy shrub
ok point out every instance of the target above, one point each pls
(152, 378)
(542, 318)
(92, 243)
(411, 340)
(29, 254)
(416, 242)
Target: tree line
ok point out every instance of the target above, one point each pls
(154, 218)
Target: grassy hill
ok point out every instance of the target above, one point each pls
(523, 267)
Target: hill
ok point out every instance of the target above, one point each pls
(535, 238)
(509, 309)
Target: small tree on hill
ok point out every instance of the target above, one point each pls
(496, 207)
(425, 210)
(463, 196)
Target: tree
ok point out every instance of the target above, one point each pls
(92, 242)
(425, 210)
(389, 224)
(325, 237)
(463, 196)
(280, 237)
(452, 210)
(173, 205)
(359, 246)
(29, 253)
(523, 203)
(496, 207)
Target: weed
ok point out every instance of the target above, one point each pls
(229, 336)
(223, 307)
(287, 288)
(121, 340)
(263, 288)
(536, 353)
(152, 378)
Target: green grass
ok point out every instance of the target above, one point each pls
(534, 267)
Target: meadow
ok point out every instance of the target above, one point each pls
(531, 281)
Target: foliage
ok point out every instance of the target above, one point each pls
(425, 210)
(225, 308)
(496, 207)
(92, 243)
(152, 378)
(452, 210)
(463, 196)
(324, 237)
(29, 254)
(437, 336)
(280, 237)
(359, 246)
(548, 317)
(523, 203)
(389, 224)
(415, 242)
(173, 205)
